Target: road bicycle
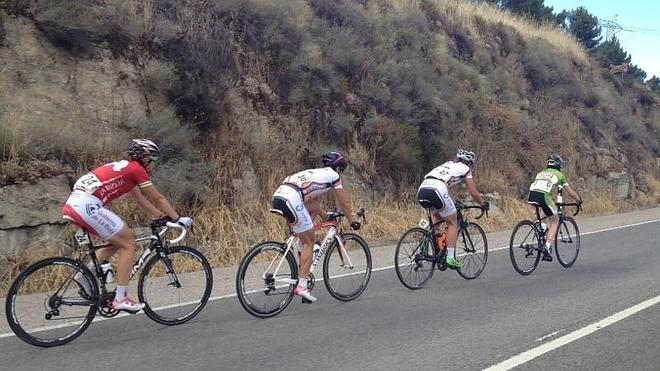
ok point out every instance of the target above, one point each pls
(528, 239)
(53, 301)
(417, 253)
(268, 273)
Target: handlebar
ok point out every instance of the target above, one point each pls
(577, 205)
(461, 206)
(336, 215)
(166, 224)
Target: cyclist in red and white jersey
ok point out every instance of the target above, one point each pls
(86, 207)
(435, 188)
(297, 200)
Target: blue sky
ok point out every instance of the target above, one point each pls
(640, 20)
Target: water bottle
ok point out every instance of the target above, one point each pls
(106, 267)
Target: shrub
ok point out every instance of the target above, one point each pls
(159, 76)
(71, 25)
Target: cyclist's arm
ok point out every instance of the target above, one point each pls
(572, 193)
(139, 198)
(158, 200)
(472, 190)
(344, 203)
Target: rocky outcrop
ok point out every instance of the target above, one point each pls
(30, 217)
(619, 185)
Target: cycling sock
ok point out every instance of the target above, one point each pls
(547, 245)
(121, 292)
(450, 252)
(302, 282)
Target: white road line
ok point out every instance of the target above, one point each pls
(214, 298)
(568, 338)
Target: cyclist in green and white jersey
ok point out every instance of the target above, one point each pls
(540, 192)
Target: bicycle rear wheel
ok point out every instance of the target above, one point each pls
(346, 271)
(176, 286)
(525, 247)
(472, 250)
(567, 243)
(265, 279)
(414, 258)
(46, 306)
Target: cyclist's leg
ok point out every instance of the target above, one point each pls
(124, 240)
(448, 213)
(550, 211)
(290, 202)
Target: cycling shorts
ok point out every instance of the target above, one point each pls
(435, 190)
(290, 202)
(545, 201)
(88, 212)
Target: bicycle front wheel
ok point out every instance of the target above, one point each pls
(52, 302)
(175, 287)
(472, 250)
(567, 243)
(414, 258)
(265, 279)
(347, 268)
(525, 248)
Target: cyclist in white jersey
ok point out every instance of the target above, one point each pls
(297, 200)
(435, 188)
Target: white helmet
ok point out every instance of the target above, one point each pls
(466, 156)
(144, 149)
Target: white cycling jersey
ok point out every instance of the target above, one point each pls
(452, 173)
(314, 182)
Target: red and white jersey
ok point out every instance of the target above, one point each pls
(110, 181)
(315, 182)
(452, 173)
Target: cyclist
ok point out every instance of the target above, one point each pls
(435, 188)
(540, 193)
(297, 200)
(86, 207)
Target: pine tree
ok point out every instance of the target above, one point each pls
(654, 84)
(534, 9)
(584, 26)
(610, 52)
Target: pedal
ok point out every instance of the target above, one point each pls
(306, 301)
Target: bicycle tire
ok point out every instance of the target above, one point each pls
(255, 283)
(170, 302)
(336, 274)
(525, 244)
(567, 242)
(63, 269)
(414, 267)
(472, 239)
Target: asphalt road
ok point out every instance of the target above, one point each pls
(450, 324)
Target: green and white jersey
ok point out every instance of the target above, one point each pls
(547, 179)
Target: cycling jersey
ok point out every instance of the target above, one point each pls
(452, 173)
(110, 181)
(314, 182)
(547, 179)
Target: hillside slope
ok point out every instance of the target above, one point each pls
(242, 93)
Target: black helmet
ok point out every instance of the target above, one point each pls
(466, 156)
(555, 160)
(141, 149)
(335, 160)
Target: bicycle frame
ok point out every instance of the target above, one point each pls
(334, 233)
(155, 242)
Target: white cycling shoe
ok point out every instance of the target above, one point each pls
(304, 293)
(127, 305)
